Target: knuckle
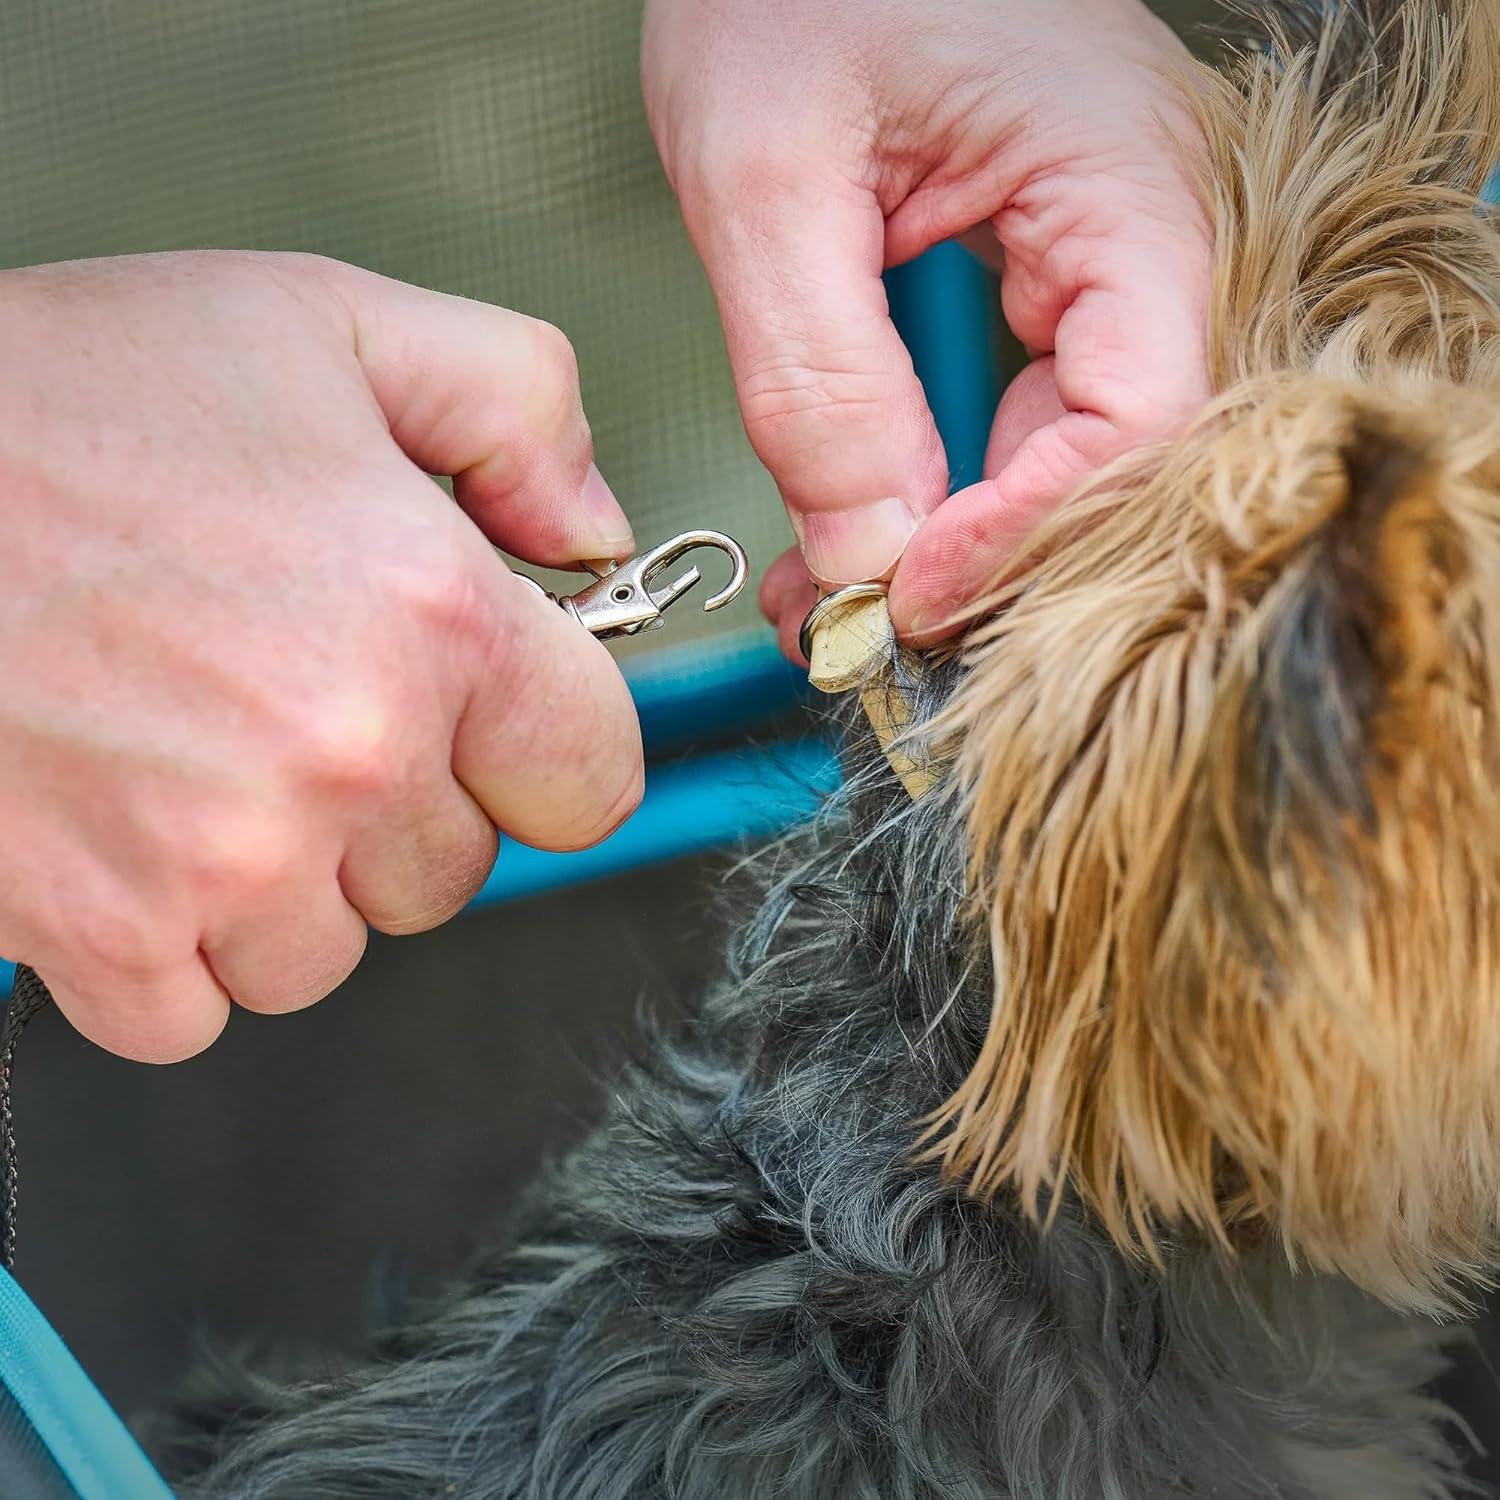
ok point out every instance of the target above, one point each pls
(446, 890)
(303, 262)
(751, 170)
(441, 589)
(794, 408)
(306, 261)
(528, 654)
(304, 984)
(467, 870)
(1067, 453)
(554, 367)
(338, 957)
(550, 401)
(422, 919)
(300, 267)
(554, 352)
(416, 571)
(1132, 408)
(350, 747)
(557, 714)
(272, 282)
(238, 856)
(110, 940)
(264, 281)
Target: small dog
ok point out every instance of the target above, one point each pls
(1098, 1125)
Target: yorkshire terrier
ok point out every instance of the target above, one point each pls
(1112, 1120)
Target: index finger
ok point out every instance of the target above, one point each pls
(829, 396)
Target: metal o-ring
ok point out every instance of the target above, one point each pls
(830, 602)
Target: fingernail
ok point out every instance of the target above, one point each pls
(860, 545)
(603, 530)
(926, 625)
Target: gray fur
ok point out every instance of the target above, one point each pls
(743, 1286)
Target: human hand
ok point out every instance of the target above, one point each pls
(813, 145)
(264, 682)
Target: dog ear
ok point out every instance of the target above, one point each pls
(1324, 973)
(1228, 747)
(1231, 775)
(1343, 677)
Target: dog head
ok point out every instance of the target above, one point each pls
(1231, 747)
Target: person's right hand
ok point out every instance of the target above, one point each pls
(263, 682)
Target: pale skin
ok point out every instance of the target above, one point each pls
(812, 145)
(267, 686)
(264, 682)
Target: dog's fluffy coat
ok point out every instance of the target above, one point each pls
(1218, 1081)
(1231, 750)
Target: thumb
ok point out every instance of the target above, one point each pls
(490, 397)
(830, 400)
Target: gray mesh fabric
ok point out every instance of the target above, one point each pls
(495, 148)
(27, 1470)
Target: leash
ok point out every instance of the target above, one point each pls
(27, 997)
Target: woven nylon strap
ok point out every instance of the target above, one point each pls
(27, 997)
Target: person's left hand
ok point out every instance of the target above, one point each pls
(811, 146)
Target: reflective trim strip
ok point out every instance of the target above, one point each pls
(76, 1425)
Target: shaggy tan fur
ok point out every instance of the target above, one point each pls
(1230, 748)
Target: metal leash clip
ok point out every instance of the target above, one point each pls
(621, 600)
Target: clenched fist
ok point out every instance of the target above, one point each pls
(261, 681)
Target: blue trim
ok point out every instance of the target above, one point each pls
(944, 304)
(1490, 192)
(690, 806)
(87, 1441)
(683, 692)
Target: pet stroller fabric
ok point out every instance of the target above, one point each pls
(492, 148)
(59, 1440)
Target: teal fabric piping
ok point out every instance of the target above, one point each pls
(690, 806)
(684, 692)
(947, 306)
(88, 1442)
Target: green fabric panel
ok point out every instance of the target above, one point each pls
(494, 148)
